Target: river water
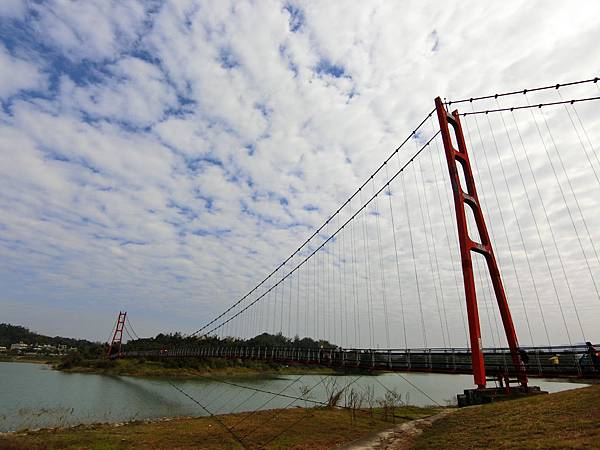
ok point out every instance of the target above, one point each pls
(35, 396)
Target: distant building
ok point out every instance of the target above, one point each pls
(2, 349)
(19, 347)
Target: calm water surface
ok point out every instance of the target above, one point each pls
(34, 396)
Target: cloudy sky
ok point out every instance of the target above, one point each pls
(163, 157)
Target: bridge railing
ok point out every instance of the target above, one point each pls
(541, 361)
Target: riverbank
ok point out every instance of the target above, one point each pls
(50, 360)
(188, 368)
(314, 428)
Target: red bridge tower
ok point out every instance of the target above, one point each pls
(467, 245)
(118, 335)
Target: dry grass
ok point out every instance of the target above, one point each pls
(565, 420)
(315, 428)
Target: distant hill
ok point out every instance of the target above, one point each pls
(10, 334)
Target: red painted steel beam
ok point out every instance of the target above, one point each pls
(467, 245)
(117, 338)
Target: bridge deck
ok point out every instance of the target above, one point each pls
(543, 362)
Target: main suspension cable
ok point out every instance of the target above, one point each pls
(530, 106)
(131, 328)
(522, 91)
(318, 230)
(310, 255)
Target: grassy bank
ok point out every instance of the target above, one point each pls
(31, 359)
(186, 367)
(298, 428)
(569, 419)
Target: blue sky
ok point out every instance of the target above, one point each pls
(162, 157)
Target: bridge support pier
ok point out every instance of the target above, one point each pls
(489, 395)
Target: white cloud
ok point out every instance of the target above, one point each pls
(134, 92)
(91, 30)
(180, 152)
(17, 74)
(13, 9)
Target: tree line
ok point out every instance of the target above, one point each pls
(171, 340)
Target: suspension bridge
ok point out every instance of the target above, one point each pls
(470, 249)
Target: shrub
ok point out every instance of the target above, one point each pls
(69, 361)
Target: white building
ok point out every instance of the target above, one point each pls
(18, 347)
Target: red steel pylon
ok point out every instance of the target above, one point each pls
(467, 245)
(118, 335)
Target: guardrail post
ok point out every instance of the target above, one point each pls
(577, 365)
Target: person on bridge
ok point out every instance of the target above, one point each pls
(594, 356)
(524, 358)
